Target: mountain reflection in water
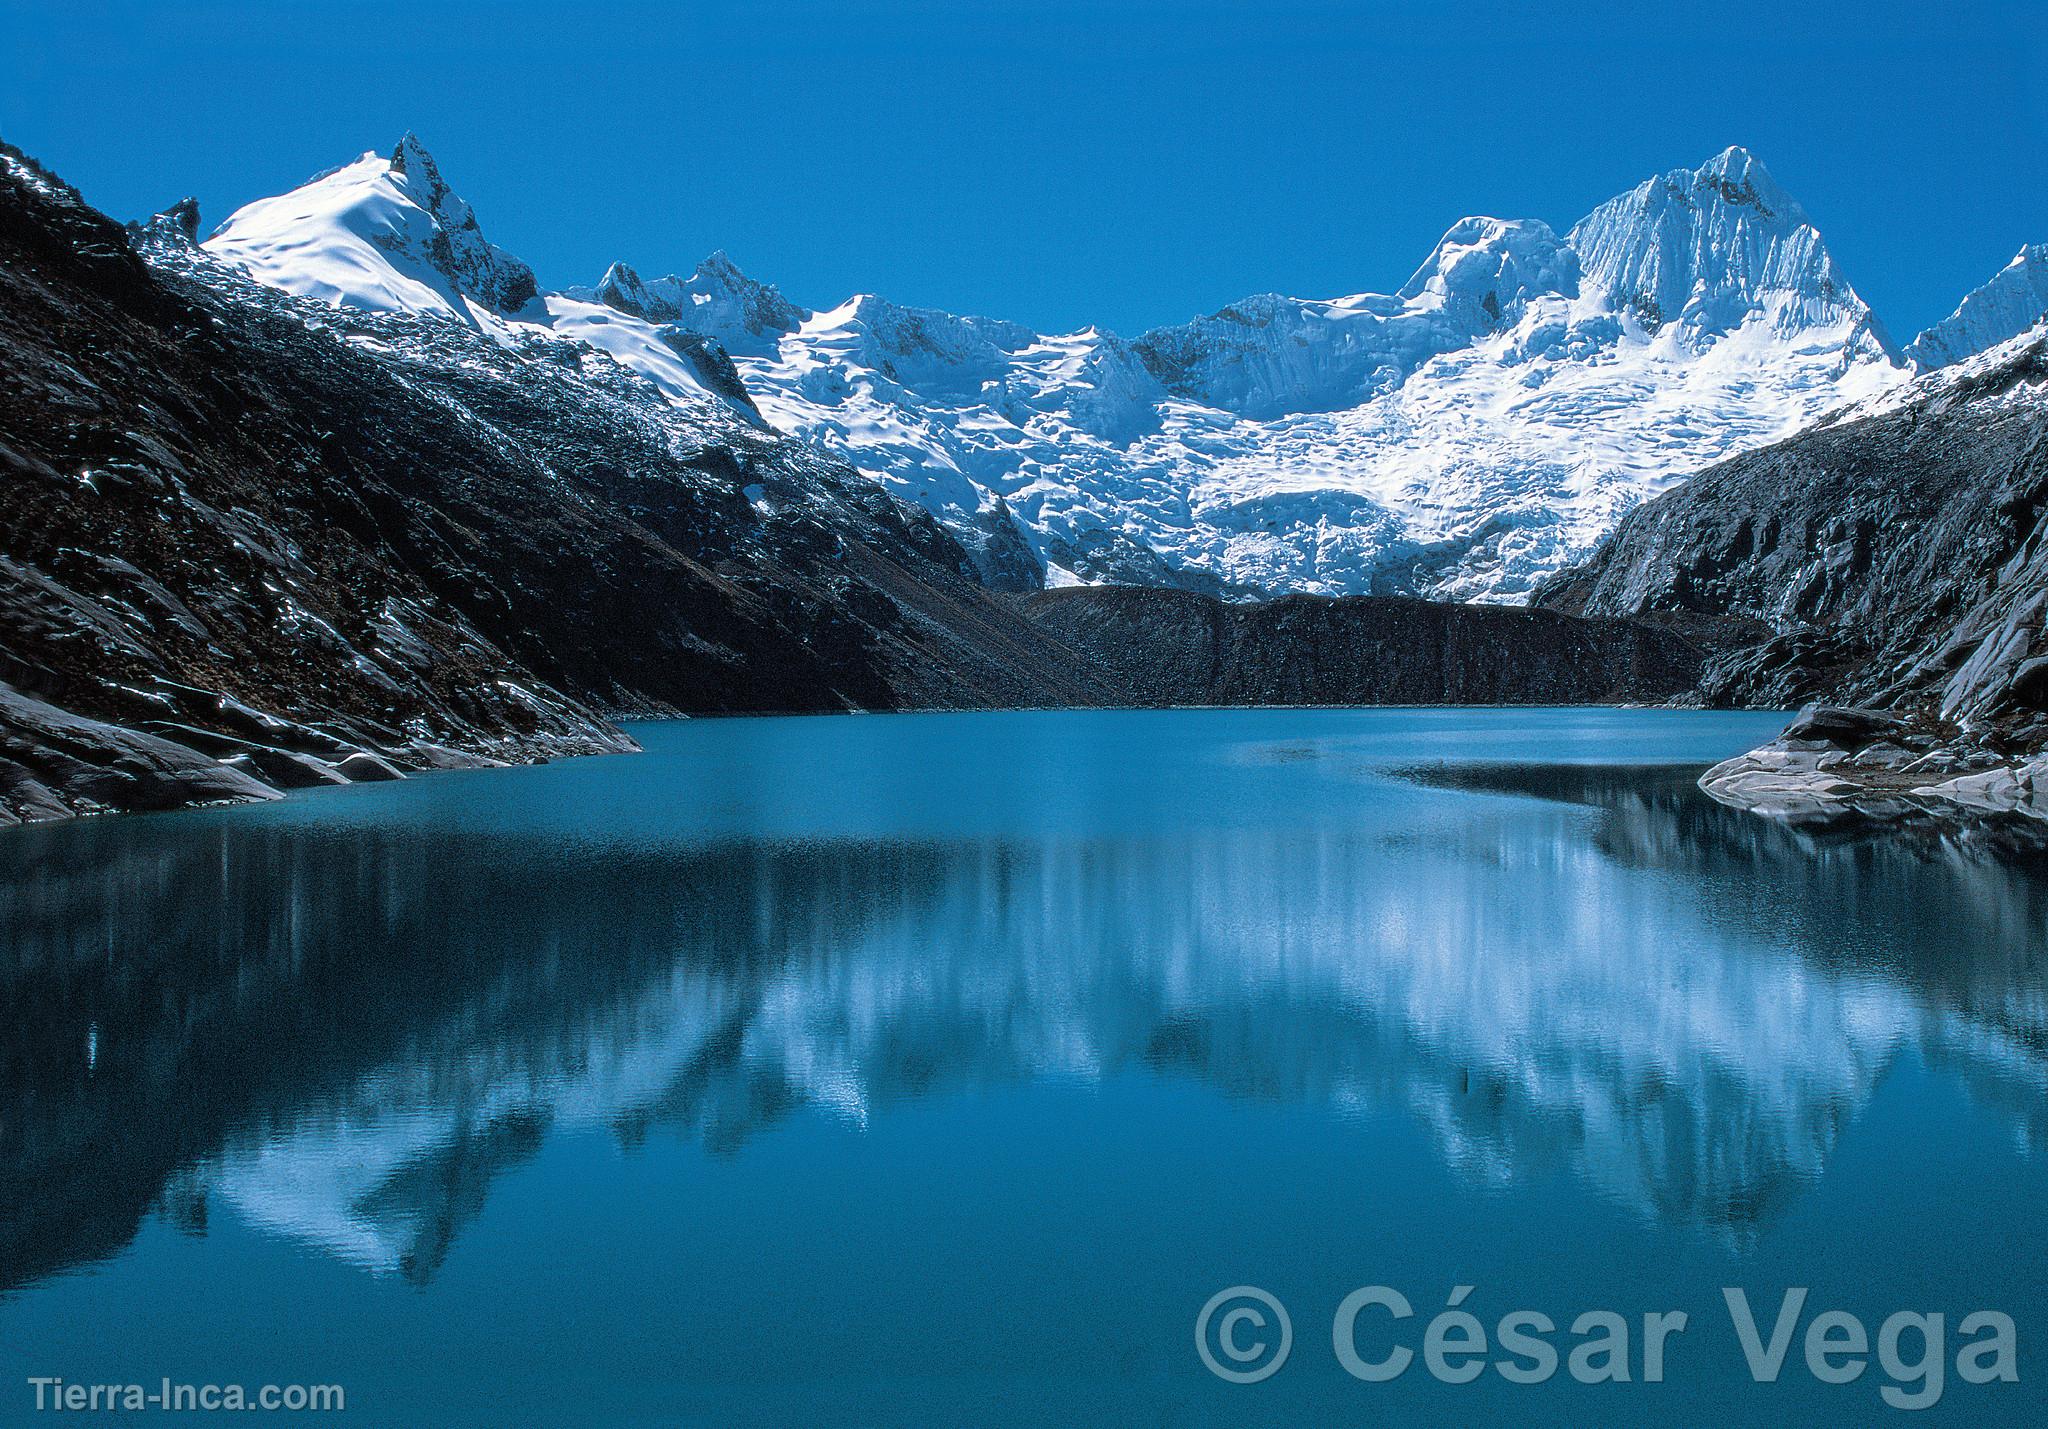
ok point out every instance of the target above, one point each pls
(345, 1031)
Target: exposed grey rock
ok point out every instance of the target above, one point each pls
(55, 764)
(421, 755)
(366, 768)
(1788, 778)
(1936, 762)
(285, 770)
(1815, 771)
(1171, 647)
(2005, 787)
(1847, 728)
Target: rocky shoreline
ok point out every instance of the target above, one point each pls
(1833, 764)
(1887, 571)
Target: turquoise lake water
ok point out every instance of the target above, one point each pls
(938, 1070)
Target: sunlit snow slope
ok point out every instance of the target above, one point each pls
(1464, 436)
(386, 234)
(2011, 303)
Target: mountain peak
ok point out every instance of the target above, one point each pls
(718, 263)
(623, 288)
(735, 307)
(409, 155)
(1710, 248)
(382, 233)
(2015, 298)
(1735, 178)
(416, 174)
(415, 171)
(179, 223)
(717, 299)
(1739, 178)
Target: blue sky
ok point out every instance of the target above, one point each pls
(1060, 162)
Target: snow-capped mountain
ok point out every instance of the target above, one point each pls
(386, 234)
(2013, 301)
(1464, 436)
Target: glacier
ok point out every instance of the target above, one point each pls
(1463, 437)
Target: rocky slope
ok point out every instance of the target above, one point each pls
(241, 527)
(1893, 557)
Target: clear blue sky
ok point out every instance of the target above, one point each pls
(1059, 163)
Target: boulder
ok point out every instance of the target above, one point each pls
(1993, 789)
(1844, 728)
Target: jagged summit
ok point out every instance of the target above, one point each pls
(385, 233)
(716, 300)
(1709, 249)
(1744, 181)
(2014, 300)
(177, 224)
(1464, 435)
(623, 288)
(1486, 269)
(411, 161)
(389, 234)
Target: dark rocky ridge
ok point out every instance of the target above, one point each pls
(1168, 647)
(252, 543)
(1895, 560)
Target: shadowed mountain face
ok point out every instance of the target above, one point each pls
(1892, 557)
(248, 531)
(345, 1031)
(1168, 647)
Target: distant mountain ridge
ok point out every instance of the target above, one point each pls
(1463, 437)
(1478, 428)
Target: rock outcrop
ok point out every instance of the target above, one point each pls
(1895, 559)
(1833, 764)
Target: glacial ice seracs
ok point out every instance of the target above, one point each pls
(1462, 437)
